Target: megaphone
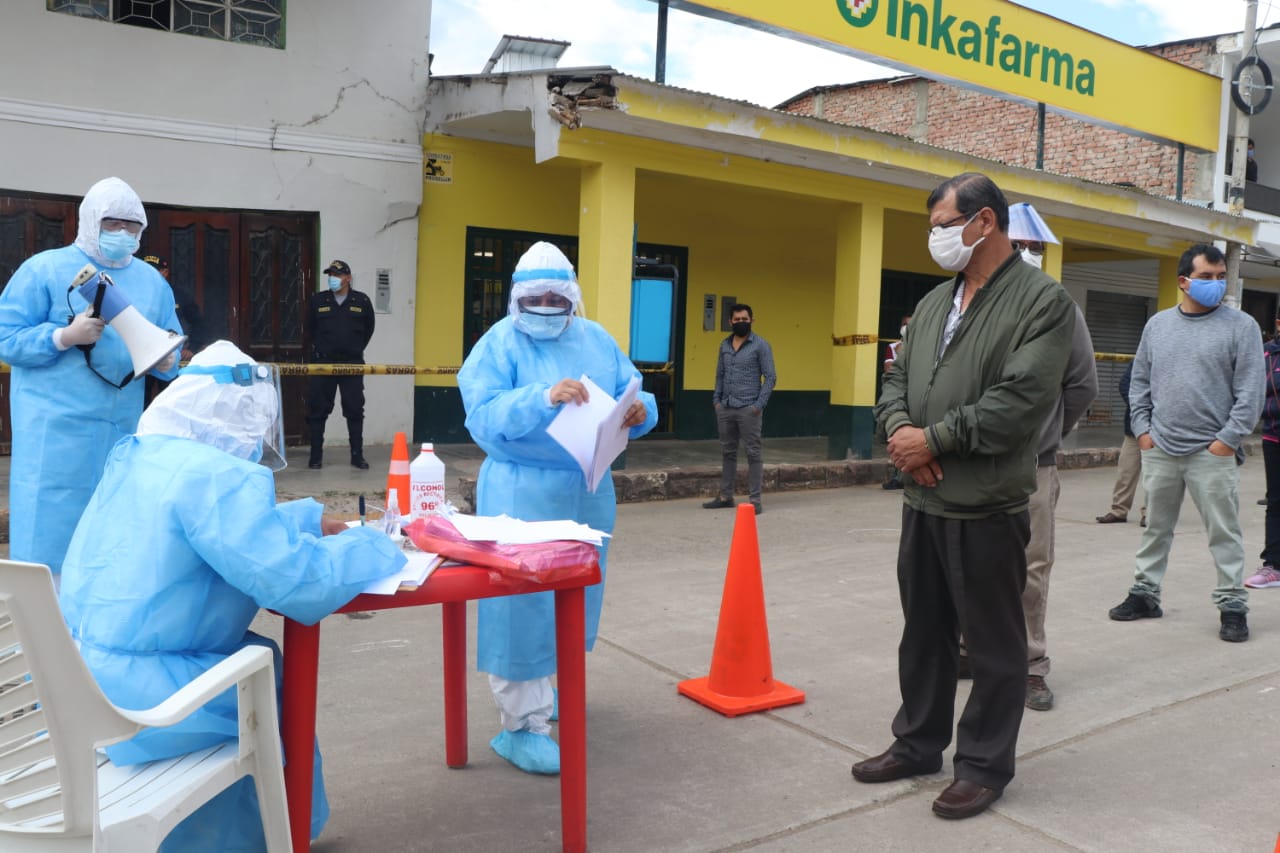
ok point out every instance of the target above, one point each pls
(148, 344)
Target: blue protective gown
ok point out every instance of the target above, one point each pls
(528, 475)
(179, 547)
(65, 419)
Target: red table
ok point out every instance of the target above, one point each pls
(451, 587)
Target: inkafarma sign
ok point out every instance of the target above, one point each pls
(1005, 49)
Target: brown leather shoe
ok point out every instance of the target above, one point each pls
(964, 798)
(1111, 518)
(886, 767)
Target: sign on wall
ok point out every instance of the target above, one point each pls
(1004, 49)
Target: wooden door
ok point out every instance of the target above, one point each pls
(277, 268)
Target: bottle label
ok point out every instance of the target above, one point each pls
(427, 497)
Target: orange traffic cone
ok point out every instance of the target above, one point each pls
(741, 679)
(398, 472)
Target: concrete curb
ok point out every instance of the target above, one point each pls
(704, 481)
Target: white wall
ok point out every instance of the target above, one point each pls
(331, 124)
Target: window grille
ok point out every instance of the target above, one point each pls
(259, 22)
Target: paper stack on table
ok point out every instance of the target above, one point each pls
(593, 432)
(512, 531)
(411, 576)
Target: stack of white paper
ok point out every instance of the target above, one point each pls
(512, 531)
(593, 432)
(411, 576)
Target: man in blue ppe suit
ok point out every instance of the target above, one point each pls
(517, 376)
(67, 409)
(181, 544)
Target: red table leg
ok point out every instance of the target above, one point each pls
(453, 618)
(298, 722)
(572, 674)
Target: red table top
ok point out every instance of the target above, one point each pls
(464, 583)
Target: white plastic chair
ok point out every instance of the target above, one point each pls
(59, 792)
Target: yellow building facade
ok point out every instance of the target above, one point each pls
(821, 228)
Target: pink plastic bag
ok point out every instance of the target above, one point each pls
(543, 562)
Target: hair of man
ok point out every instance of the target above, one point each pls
(974, 191)
(1212, 255)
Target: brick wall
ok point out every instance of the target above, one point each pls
(992, 128)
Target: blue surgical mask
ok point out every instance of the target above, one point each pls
(335, 283)
(117, 245)
(1208, 292)
(540, 325)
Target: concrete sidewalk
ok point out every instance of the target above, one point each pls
(1160, 740)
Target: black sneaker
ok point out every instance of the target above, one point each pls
(1136, 607)
(719, 503)
(1235, 627)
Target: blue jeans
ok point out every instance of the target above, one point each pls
(1213, 482)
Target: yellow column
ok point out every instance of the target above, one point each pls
(1053, 261)
(856, 311)
(1168, 294)
(606, 223)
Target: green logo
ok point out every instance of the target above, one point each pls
(927, 24)
(859, 13)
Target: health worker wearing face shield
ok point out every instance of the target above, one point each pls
(1198, 386)
(156, 596)
(513, 383)
(67, 407)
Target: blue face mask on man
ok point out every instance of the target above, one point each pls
(117, 245)
(1207, 291)
(335, 283)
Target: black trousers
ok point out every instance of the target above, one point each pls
(321, 391)
(962, 576)
(1271, 461)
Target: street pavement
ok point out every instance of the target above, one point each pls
(1160, 738)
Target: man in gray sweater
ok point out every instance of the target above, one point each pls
(1197, 392)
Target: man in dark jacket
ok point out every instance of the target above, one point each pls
(340, 325)
(978, 375)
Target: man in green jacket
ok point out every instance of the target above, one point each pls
(962, 408)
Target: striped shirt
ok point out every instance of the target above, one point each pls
(744, 377)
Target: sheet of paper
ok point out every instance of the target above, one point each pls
(510, 531)
(576, 427)
(612, 436)
(592, 433)
(412, 575)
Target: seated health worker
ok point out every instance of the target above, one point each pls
(181, 543)
(513, 383)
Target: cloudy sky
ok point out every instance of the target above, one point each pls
(734, 62)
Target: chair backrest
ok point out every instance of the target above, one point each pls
(53, 716)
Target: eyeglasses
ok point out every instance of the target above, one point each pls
(111, 224)
(950, 223)
(1024, 245)
(546, 300)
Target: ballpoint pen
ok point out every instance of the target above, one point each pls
(362, 510)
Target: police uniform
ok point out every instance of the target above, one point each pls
(339, 333)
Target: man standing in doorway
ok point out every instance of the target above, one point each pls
(340, 325)
(744, 380)
(963, 407)
(1197, 392)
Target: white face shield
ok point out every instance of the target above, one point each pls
(544, 269)
(226, 400)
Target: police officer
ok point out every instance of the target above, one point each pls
(340, 325)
